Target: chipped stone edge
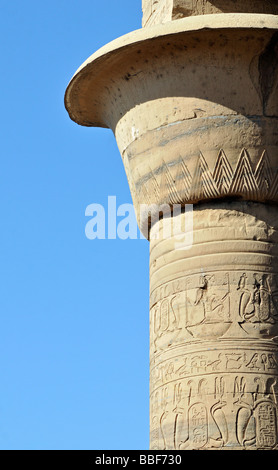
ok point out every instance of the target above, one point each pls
(226, 21)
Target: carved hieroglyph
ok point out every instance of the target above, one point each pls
(193, 104)
(214, 332)
(161, 11)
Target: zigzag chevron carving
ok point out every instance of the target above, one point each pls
(179, 186)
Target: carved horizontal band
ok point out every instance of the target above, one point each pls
(231, 411)
(180, 186)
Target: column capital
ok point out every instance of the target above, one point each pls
(193, 108)
(193, 104)
(162, 11)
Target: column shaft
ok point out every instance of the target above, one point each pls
(213, 331)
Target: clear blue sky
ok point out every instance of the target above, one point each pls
(74, 312)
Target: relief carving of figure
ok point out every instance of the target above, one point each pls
(258, 301)
(208, 304)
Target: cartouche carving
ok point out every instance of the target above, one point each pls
(218, 412)
(219, 364)
(193, 106)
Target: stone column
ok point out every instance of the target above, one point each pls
(193, 104)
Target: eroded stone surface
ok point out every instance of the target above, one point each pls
(214, 331)
(161, 11)
(193, 105)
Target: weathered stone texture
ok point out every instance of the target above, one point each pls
(161, 11)
(193, 105)
(214, 330)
